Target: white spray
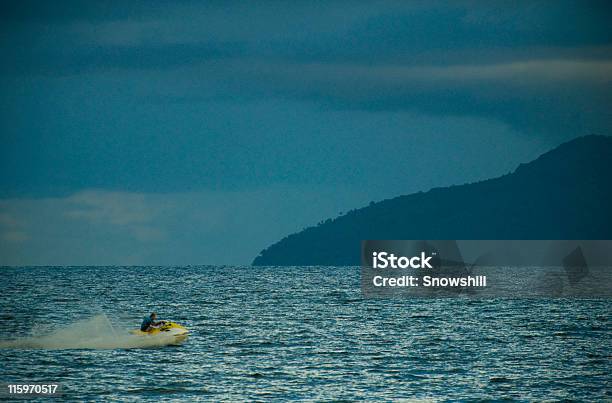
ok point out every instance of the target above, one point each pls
(94, 333)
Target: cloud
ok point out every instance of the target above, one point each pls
(547, 97)
(131, 212)
(508, 63)
(118, 208)
(8, 221)
(14, 236)
(599, 72)
(11, 228)
(97, 227)
(379, 79)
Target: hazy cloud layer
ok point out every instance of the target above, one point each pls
(491, 59)
(95, 227)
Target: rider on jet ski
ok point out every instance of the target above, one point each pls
(149, 323)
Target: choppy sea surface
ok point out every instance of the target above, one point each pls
(262, 333)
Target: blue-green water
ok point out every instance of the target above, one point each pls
(293, 333)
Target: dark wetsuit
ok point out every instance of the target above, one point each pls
(146, 322)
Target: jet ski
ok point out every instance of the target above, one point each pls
(168, 329)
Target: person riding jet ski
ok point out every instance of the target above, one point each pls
(149, 323)
(164, 329)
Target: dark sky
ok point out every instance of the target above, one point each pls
(200, 132)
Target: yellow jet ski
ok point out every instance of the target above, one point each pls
(168, 329)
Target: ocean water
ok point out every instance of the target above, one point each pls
(292, 333)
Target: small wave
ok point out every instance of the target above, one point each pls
(93, 333)
(499, 379)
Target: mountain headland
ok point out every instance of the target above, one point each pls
(565, 193)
